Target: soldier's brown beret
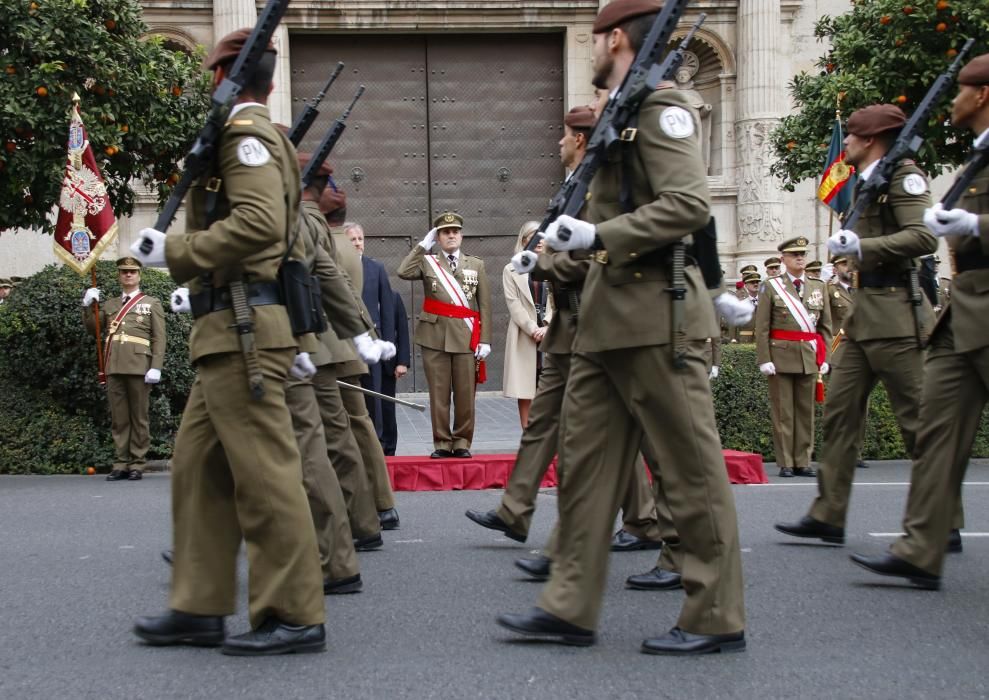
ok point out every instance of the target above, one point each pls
(324, 169)
(875, 119)
(332, 200)
(975, 72)
(618, 11)
(228, 47)
(581, 117)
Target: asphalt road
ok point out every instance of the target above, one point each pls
(79, 559)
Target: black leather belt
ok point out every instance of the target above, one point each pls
(882, 279)
(217, 299)
(561, 297)
(964, 263)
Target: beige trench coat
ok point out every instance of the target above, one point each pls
(520, 349)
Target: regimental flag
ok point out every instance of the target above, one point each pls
(838, 180)
(86, 224)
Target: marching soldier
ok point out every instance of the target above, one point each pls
(608, 409)
(957, 366)
(236, 467)
(453, 330)
(133, 357)
(882, 331)
(772, 266)
(793, 339)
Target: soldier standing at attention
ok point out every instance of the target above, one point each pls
(453, 330)
(772, 266)
(5, 287)
(793, 342)
(745, 332)
(132, 360)
(813, 269)
(956, 379)
(623, 384)
(237, 471)
(881, 333)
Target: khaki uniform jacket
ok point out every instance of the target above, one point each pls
(745, 333)
(625, 303)
(892, 234)
(442, 332)
(840, 300)
(349, 260)
(145, 320)
(258, 206)
(968, 304)
(792, 356)
(564, 270)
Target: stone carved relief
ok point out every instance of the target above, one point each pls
(760, 201)
(684, 77)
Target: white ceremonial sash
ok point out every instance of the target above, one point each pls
(795, 306)
(451, 287)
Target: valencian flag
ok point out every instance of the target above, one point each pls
(839, 177)
(86, 225)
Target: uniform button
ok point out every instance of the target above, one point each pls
(633, 255)
(637, 275)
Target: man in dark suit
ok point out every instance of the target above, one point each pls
(391, 371)
(378, 297)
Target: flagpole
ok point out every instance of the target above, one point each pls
(101, 375)
(837, 118)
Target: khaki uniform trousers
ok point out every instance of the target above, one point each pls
(791, 403)
(344, 454)
(237, 475)
(607, 412)
(127, 395)
(956, 389)
(337, 556)
(446, 373)
(835, 361)
(639, 506)
(372, 454)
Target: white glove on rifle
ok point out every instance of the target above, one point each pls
(951, 222)
(768, 369)
(92, 294)
(524, 262)
(581, 234)
(429, 241)
(152, 376)
(713, 374)
(152, 241)
(845, 242)
(736, 312)
(369, 350)
(302, 367)
(483, 350)
(180, 301)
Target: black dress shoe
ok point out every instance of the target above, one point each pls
(955, 541)
(676, 641)
(134, 475)
(786, 471)
(625, 541)
(441, 454)
(462, 453)
(889, 565)
(861, 465)
(366, 544)
(339, 586)
(804, 471)
(655, 580)
(536, 567)
(540, 624)
(388, 519)
(168, 555)
(814, 529)
(116, 475)
(490, 520)
(175, 627)
(277, 637)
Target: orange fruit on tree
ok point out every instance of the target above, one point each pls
(901, 99)
(110, 25)
(111, 150)
(176, 90)
(943, 5)
(10, 146)
(885, 19)
(90, 470)
(10, 70)
(99, 90)
(940, 27)
(951, 53)
(790, 145)
(907, 10)
(172, 179)
(42, 91)
(898, 42)
(124, 128)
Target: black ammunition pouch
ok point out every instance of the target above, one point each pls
(964, 263)
(704, 251)
(301, 294)
(218, 299)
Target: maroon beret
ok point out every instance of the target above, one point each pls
(332, 200)
(229, 47)
(581, 117)
(875, 119)
(618, 11)
(324, 170)
(975, 72)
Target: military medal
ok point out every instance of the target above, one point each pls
(469, 284)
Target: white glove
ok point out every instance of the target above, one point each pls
(152, 241)
(387, 349)
(483, 350)
(845, 242)
(302, 367)
(92, 294)
(768, 368)
(180, 301)
(369, 350)
(429, 241)
(713, 374)
(951, 222)
(825, 368)
(737, 312)
(581, 234)
(152, 376)
(524, 262)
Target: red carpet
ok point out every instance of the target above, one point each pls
(492, 472)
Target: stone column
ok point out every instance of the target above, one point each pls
(280, 99)
(759, 105)
(230, 15)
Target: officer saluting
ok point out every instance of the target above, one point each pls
(453, 330)
(237, 471)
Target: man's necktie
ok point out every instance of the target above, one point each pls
(453, 261)
(798, 284)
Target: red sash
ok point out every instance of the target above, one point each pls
(441, 308)
(778, 334)
(115, 323)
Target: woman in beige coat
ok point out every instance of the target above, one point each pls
(524, 333)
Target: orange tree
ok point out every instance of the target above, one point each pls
(887, 51)
(142, 102)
